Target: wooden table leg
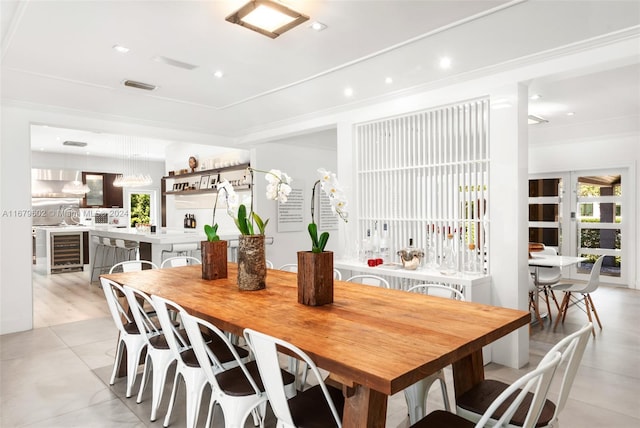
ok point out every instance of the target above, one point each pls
(468, 372)
(364, 407)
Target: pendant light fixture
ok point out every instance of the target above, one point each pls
(132, 174)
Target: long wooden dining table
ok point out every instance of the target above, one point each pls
(373, 341)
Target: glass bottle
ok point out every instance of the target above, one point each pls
(449, 265)
(375, 241)
(472, 260)
(430, 255)
(384, 244)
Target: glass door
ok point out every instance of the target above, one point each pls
(599, 225)
(581, 214)
(142, 207)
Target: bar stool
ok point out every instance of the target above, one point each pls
(97, 255)
(181, 249)
(127, 249)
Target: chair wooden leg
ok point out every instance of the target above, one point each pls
(546, 299)
(566, 306)
(553, 296)
(593, 308)
(563, 310)
(534, 305)
(587, 309)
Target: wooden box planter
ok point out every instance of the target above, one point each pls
(315, 278)
(214, 259)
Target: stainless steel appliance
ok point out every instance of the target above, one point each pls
(66, 251)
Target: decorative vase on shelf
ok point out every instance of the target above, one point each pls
(315, 278)
(214, 259)
(252, 266)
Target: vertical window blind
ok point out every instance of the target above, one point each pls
(426, 175)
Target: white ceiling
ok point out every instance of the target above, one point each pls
(58, 55)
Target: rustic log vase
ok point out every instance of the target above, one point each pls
(252, 266)
(315, 278)
(214, 259)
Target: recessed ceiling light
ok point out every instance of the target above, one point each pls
(445, 63)
(388, 80)
(348, 92)
(218, 73)
(535, 97)
(317, 26)
(120, 48)
(571, 113)
(267, 17)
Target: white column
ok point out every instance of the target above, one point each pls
(16, 293)
(508, 213)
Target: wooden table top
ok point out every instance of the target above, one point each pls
(382, 339)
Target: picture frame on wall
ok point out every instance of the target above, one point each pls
(204, 182)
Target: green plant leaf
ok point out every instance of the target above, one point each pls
(324, 237)
(313, 233)
(262, 225)
(241, 222)
(211, 232)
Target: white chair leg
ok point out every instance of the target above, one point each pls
(145, 378)
(172, 399)
(133, 358)
(416, 395)
(116, 363)
(158, 382)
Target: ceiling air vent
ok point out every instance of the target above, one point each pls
(139, 85)
(75, 143)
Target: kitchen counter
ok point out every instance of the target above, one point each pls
(152, 243)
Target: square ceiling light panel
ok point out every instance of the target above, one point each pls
(267, 17)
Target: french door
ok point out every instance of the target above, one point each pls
(581, 213)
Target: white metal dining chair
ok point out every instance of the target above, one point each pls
(187, 366)
(337, 274)
(416, 394)
(132, 266)
(374, 280)
(237, 390)
(585, 302)
(474, 403)
(159, 357)
(269, 264)
(533, 385)
(179, 261)
(318, 406)
(129, 338)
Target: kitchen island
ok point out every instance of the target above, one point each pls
(151, 243)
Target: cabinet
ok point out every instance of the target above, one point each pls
(202, 182)
(102, 193)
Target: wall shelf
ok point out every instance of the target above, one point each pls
(217, 173)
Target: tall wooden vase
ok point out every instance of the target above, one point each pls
(252, 266)
(315, 278)
(214, 259)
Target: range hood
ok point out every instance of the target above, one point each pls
(48, 183)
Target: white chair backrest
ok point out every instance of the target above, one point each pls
(132, 266)
(337, 274)
(136, 300)
(572, 349)
(175, 341)
(289, 267)
(594, 276)
(269, 264)
(536, 381)
(113, 292)
(370, 280)
(438, 290)
(266, 354)
(179, 261)
(207, 360)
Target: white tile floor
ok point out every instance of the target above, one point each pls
(57, 374)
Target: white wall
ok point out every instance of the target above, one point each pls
(299, 158)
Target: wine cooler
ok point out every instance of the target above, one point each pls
(66, 251)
